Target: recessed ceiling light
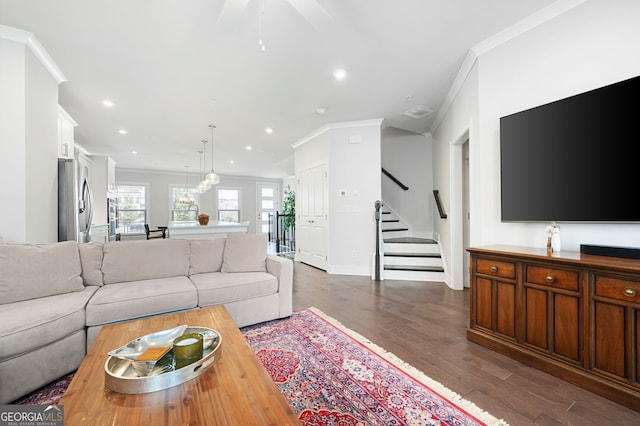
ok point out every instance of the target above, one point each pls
(268, 130)
(134, 152)
(340, 74)
(321, 110)
(123, 131)
(232, 162)
(249, 148)
(107, 103)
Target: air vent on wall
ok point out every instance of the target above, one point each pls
(418, 112)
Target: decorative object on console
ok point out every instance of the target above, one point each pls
(553, 237)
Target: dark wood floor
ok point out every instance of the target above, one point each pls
(425, 325)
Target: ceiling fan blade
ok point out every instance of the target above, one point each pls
(231, 12)
(315, 14)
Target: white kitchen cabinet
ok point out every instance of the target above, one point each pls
(66, 126)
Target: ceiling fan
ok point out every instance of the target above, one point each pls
(311, 10)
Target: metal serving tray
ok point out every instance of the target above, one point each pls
(121, 377)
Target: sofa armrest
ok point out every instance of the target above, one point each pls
(282, 269)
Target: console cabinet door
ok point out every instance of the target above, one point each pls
(494, 297)
(553, 313)
(616, 332)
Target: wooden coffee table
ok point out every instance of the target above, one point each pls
(235, 390)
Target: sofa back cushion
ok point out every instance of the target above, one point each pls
(39, 270)
(139, 260)
(91, 262)
(206, 256)
(245, 253)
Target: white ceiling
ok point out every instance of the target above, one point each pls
(172, 67)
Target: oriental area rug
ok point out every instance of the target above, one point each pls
(333, 376)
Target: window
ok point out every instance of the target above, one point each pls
(184, 203)
(131, 208)
(229, 205)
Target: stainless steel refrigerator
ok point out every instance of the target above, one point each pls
(75, 202)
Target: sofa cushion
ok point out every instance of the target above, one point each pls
(32, 271)
(245, 253)
(126, 301)
(206, 256)
(32, 324)
(125, 261)
(91, 262)
(220, 287)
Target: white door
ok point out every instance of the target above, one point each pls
(268, 202)
(311, 223)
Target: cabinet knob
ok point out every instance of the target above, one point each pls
(549, 278)
(630, 291)
(493, 268)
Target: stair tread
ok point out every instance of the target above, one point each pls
(401, 254)
(395, 229)
(390, 220)
(414, 268)
(412, 240)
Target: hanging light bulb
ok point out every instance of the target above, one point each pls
(204, 185)
(186, 199)
(212, 178)
(201, 188)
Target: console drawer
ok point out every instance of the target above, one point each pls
(557, 278)
(496, 268)
(616, 288)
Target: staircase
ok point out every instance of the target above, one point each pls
(406, 257)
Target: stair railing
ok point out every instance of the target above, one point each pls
(282, 232)
(436, 195)
(394, 179)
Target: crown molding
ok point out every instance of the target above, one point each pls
(338, 125)
(29, 39)
(532, 21)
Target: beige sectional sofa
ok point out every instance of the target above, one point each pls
(54, 298)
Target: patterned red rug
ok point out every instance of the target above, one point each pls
(333, 376)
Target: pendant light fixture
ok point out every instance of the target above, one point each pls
(204, 185)
(186, 199)
(212, 178)
(201, 188)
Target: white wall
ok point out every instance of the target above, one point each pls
(407, 156)
(12, 142)
(352, 153)
(159, 194)
(41, 153)
(355, 169)
(590, 46)
(28, 138)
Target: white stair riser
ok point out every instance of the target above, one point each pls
(392, 225)
(410, 248)
(413, 261)
(414, 275)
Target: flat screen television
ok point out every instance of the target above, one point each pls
(574, 160)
